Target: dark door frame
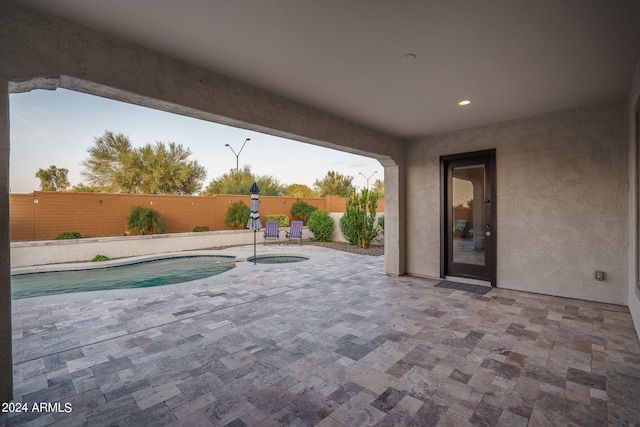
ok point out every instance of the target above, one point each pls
(490, 254)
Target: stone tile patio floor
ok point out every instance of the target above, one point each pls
(331, 341)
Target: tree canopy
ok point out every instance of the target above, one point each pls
(334, 183)
(239, 182)
(53, 178)
(378, 188)
(299, 190)
(115, 166)
(83, 188)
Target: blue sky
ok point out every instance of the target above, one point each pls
(57, 127)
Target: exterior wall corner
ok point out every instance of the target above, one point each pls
(6, 358)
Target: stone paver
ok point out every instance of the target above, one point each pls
(331, 341)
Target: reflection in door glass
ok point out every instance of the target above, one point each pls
(468, 187)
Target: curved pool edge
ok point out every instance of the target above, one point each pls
(128, 293)
(89, 265)
(221, 282)
(278, 255)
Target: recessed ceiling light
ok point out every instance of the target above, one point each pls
(464, 102)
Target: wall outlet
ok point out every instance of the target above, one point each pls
(599, 275)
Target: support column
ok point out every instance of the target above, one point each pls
(394, 219)
(6, 361)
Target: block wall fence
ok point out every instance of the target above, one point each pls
(43, 215)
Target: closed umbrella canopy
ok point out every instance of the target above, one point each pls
(254, 219)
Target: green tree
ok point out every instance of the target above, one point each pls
(53, 178)
(164, 169)
(239, 182)
(299, 190)
(358, 224)
(334, 183)
(378, 188)
(115, 166)
(105, 166)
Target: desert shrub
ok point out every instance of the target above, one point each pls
(283, 220)
(380, 237)
(68, 235)
(321, 225)
(145, 221)
(100, 258)
(200, 228)
(302, 210)
(237, 216)
(358, 224)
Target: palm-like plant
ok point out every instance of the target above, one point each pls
(145, 221)
(237, 216)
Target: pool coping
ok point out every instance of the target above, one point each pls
(257, 258)
(90, 265)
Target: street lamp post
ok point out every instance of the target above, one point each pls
(238, 153)
(374, 172)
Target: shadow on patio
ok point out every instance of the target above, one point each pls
(332, 342)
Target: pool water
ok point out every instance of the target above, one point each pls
(139, 275)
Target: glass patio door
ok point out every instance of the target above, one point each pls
(469, 212)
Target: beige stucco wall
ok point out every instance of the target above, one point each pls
(562, 201)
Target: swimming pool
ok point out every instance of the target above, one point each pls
(142, 274)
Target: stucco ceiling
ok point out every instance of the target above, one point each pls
(348, 58)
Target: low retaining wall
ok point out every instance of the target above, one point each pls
(25, 254)
(41, 252)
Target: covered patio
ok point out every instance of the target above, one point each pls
(347, 339)
(332, 341)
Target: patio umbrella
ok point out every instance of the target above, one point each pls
(254, 219)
